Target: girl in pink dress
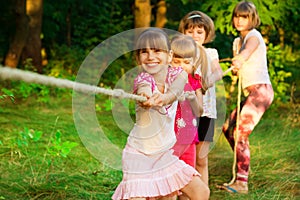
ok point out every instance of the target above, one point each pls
(150, 170)
(190, 106)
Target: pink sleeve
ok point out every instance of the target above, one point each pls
(143, 80)
(173, 72)
(195, 81)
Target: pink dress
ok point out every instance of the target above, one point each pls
(150, 169)
(186, 125)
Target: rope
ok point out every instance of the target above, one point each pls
(227, 71)
(236, 133)
(7, 73)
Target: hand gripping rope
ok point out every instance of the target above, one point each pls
(7, 73)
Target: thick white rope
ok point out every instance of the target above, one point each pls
(7, 73)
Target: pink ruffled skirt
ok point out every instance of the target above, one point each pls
(152, 176)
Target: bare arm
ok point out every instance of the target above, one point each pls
(196, 102)
(250, 46)
(217, 72)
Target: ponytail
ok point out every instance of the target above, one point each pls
(203, 63)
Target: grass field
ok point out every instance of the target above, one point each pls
(37, 161)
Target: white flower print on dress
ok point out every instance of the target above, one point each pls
(181, 123)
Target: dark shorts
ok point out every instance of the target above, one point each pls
(206, 129)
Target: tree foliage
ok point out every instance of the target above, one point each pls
(72, 28)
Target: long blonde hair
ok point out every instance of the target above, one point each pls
(184, 46)
(204, 64)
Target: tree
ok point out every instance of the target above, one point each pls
(19, 40)
(161, 10)
(144, 10)
(26, 43)
(142, 13)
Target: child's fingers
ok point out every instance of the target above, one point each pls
(157, 100)
(190, 95)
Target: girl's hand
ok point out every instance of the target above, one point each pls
(144, 104)
(236, 66)
(156, 100)
(237, 63)
(190, 95)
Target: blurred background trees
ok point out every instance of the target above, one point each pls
(53, 36)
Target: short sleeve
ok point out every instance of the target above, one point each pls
(195, 81)
(173, 72)
(143, 82)
(212, 53)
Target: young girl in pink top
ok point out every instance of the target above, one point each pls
(190, 106)
(150, 170)
(250, 61)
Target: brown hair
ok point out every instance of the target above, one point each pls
(198, 19)
(154, 38)
(204, 64)
(246, 9)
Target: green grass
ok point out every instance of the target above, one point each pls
(30, 172)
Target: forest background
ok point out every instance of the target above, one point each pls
(54, 37)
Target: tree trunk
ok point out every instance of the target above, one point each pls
(142, 13)
(161, 18)
(33, 46)
(19, 40)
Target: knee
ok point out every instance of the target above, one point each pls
(205, 192)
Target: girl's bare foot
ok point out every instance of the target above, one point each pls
(236, 187)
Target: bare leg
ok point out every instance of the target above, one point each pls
(168, 198)
(259, 99)
(202, 160)
(183, 197)
(196, 189)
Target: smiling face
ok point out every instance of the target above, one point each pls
(197, 33)
(153, 51)
(154, 60)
